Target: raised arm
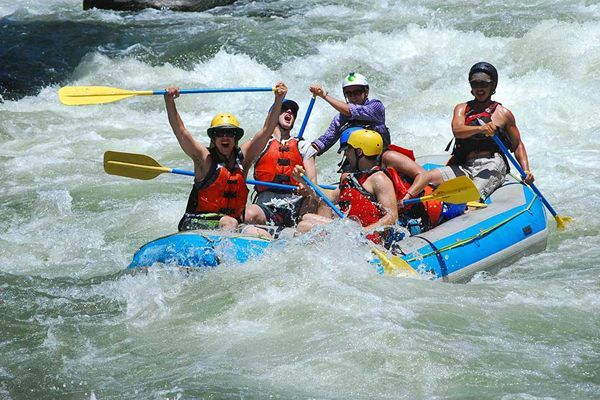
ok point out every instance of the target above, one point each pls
(256, 145)
(339, 105)
(195, 150)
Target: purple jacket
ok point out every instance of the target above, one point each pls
(371, 113)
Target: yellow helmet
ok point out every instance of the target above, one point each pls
(225, 121)
(370, 142)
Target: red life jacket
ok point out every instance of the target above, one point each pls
(356, 201)
(431, 209)
(276, 163)
(399, 149)
(486, 115)
(222, 191)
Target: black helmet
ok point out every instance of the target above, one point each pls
(486, 68)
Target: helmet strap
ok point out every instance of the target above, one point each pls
(357, 158)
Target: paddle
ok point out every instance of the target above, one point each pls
(308, 111)
(85, 95)
(561, 221)
(455, 191)
(391, 266)
(141, 166)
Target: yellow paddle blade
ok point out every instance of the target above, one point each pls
(395, 265)
(562, 221)
(455, 191)
(131, 165)
(476, 204)
(85, 95)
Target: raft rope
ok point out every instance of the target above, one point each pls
(477, 236)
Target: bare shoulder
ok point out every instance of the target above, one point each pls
(380, 179)
(505, 113)
(460, 108)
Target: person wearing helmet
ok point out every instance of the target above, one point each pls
(366, 194)
(276, 164)
(475, 153)
(218, 197)
(356, 110)
(359, 110)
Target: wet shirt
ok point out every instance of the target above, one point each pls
(372, 112)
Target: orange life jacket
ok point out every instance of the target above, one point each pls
(222, 191)
(276, 163)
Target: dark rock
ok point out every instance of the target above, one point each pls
(136, 5)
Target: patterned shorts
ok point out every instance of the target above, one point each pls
(487, 173)
(281, 209)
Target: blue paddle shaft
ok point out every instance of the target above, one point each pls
(308, 111)
(218, 90)
(323, 196)
(411, 201)
(523, 174)
(252, 182)
(181, 172)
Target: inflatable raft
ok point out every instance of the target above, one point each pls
(511, 226)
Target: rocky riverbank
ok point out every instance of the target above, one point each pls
(136, 5)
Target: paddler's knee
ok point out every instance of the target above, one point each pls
(228, 223)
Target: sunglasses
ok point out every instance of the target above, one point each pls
(356, 92)
(480, 84)
(224, 133)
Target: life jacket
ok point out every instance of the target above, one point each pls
(428, 211)
(276, 163)
(358, 202)
(399, 149)
(222, 191)
(479, 142)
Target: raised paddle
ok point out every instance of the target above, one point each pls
(141, 166)
(308, 111)
(393, 265)
(86, 95)
(561, 221)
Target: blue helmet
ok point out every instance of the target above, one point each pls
(346, 135)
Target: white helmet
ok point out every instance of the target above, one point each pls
(354, 78)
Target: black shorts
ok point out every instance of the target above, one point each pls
(281, 209)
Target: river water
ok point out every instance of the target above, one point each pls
(313, 321)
